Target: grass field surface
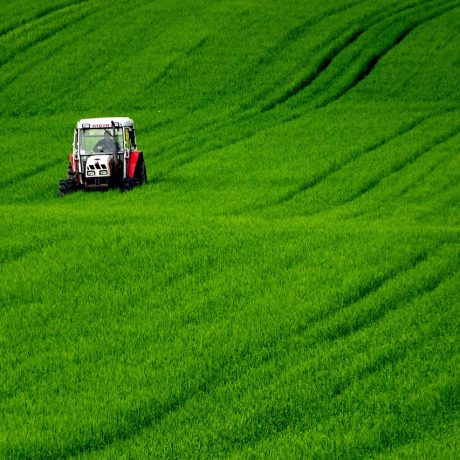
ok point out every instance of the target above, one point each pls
(286, 285)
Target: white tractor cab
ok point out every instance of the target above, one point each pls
(104, 156)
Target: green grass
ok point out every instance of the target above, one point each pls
(286, 284)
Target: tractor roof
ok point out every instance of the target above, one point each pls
(104, 122)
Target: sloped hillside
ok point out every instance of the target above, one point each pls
(286, 283)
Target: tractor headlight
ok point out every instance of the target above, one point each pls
(103, 173)
(90, 173)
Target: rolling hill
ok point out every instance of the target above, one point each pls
(286, 285)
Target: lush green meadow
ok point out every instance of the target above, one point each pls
(286, 285)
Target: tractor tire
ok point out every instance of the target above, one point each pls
(140, 172)
(128, 184)
(67, 186)
(63, 190)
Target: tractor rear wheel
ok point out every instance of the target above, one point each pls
(128, 184)
(141, 172)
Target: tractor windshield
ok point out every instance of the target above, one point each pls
(100, 140)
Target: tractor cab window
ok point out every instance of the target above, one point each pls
(130, 139)
(100, 140)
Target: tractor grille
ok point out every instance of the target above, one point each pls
(97, 166)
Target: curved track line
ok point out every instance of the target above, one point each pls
(398, 167)
(350, 37)
(422, 176)
(179, 59)
(378, 362)
(292, 37)
(296, 31)
(51, 32)
(341, 43)
(147, 416)
(315, 73)
(370, 315)
(17, 178)
(138, 419)
(362, 292)
(39, 15)
(314, 181)
(293, 34)
(369, 66)
(22, 69)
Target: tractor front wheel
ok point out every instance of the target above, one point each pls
(67, 186)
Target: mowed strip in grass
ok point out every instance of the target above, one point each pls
(286, 284)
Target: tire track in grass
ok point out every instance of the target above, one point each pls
(370, 64)
(248, 116)
(316, 72)
(339, 43)
(212, 384)
(398, 191)
(58, 24)
(344, 43)
(357, 317)
(323, 338)
(292, 36)
(179, 163)
(275, 420)
(19, 254)
(392, 354)
(424, 175)
(368, 318)
(20, 177)
(249, 113)
(51, 239)
(375, 182)
(179, 59)
(230, 120)
(378, 363)
(39, 15)
(12, 298)
(134, 421)
(362, 292)
(314, 181)
(339, 40)
(21, 70)
(339, 165)
(246, 130)
(327, 402)
(289, 39)
(318, 179)
(420, 275)
(372, 60)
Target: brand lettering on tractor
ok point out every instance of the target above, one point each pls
(106, 125)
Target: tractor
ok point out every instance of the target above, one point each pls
(104, 156)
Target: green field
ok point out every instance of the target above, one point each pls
(286, 285)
